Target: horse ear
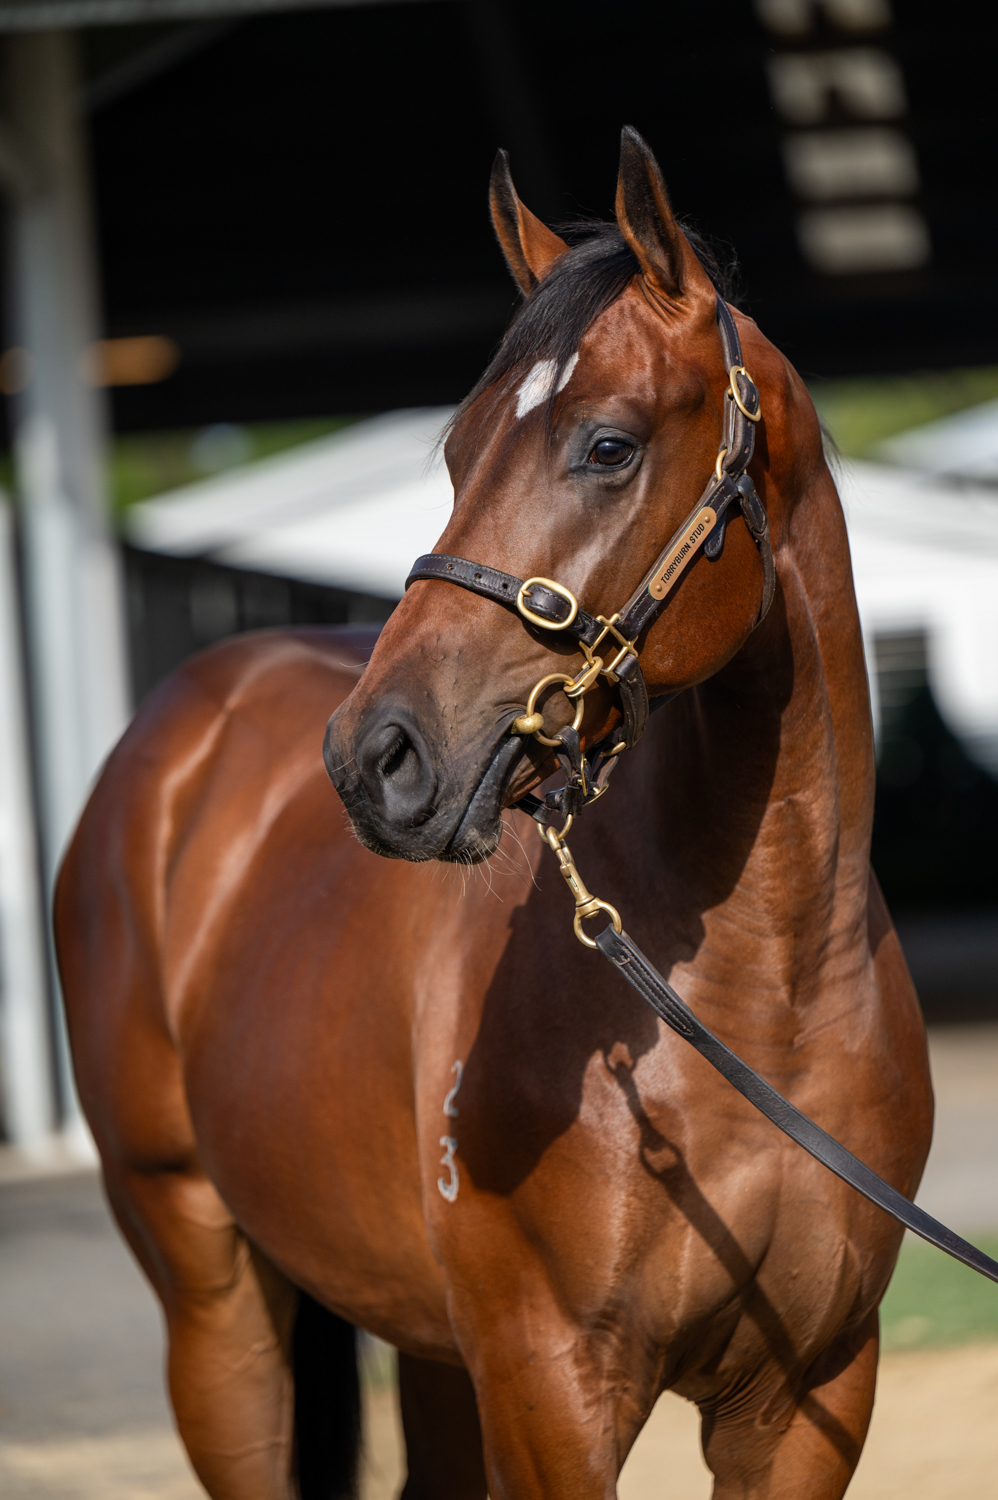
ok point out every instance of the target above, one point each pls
(530, 247)
(645, 215)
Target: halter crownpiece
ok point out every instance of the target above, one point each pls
(548, 605)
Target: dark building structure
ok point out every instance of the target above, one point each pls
(297, 200)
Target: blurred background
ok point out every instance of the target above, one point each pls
(248, 271)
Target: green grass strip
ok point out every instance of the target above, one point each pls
(934, 1300)
(142, 464)
(862, 412)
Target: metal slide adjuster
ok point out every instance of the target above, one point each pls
(626, 648)
(736, 395)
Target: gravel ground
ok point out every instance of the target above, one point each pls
(83, 1415)
(933, 1435)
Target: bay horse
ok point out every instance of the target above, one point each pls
(333, 1084)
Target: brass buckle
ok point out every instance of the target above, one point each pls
(556, 588)
(735, 394)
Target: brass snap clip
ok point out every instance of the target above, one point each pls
(584, 681)
(586, 904)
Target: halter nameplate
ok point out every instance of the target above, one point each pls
(683, 552)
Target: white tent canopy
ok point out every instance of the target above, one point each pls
(925, 558)
(353, 510)
(964, 446)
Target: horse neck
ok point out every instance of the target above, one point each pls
(762, 787)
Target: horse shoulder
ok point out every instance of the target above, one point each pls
(903, 1016)
(247, 714)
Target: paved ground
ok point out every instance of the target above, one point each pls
(960, 1185)
(82, 1408)
(933, 1436)
(83, 1415)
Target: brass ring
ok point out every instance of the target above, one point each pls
(721, 452)
(555, 837)
(753, 416)
(599, 906)
(556, 588)
(535, 693)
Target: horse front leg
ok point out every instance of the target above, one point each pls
(785, 1445)
(553, 1424)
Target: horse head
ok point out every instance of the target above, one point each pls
(575, 458)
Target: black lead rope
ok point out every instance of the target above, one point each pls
(629, 961)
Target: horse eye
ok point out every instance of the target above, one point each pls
(611, 452)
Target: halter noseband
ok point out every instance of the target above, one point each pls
(548, 605)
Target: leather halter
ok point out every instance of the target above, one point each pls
(548, 605)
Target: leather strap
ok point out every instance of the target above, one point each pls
(633, 699)
(757, 521)
(503, 589)
(629, 961)
(733, 487)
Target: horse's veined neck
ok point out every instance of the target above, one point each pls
(762, 788)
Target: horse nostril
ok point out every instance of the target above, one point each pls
(400, 760)
(397, 770)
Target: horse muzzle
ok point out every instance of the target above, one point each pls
(400, 801)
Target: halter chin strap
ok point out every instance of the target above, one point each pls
(547, 605)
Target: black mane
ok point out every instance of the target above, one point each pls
(550, 323)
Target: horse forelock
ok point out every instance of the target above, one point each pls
(540, 347)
